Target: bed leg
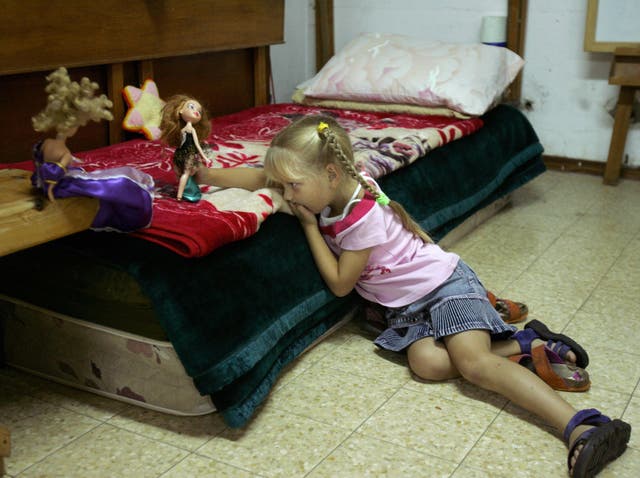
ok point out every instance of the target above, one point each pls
(5, 447)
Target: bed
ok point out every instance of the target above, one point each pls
(185, 320)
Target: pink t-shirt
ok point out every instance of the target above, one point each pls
(401, 267)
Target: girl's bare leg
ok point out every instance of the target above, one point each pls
(430, 360)
(472, 355)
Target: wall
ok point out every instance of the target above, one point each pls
(566, 87)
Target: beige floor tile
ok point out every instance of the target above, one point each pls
(90, 404)
(620, 204)
(516, 442)
(602, 228)
(594, 330)
(195, 466)
(632, 417)
(20, 380)
(607, 402)
(361, 358)
(428, 423)
(16, 405)
(40, 435)
(461, 391)
(615, 297)
(107, 452)
(523, 222)
(628, 465)
(579, 258)
(553, 300)
(465, 471)
(332, 397)
(276, 444)
(189, 433)
(506, 252)
(613, 370)
(363, 457)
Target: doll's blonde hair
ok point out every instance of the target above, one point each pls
(71, 104)
(308, 145)
(172, 123)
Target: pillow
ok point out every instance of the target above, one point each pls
(300, 98)
(145, 109)
(389, 68)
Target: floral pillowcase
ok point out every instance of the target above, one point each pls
(388, 68)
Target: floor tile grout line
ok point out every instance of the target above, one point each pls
(59, 449)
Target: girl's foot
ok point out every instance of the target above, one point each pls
(536, 333)
(594, 440)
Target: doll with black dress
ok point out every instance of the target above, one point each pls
(184, 121)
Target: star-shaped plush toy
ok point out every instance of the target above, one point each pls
(145, 109)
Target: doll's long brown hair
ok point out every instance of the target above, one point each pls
(172, 123)
(302, 149)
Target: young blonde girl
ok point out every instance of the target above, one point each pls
(436, 308)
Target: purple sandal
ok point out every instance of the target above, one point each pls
(559, 343)
(603, 443)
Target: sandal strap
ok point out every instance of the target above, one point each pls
(558, 347)
(588, 416)
(524, 338)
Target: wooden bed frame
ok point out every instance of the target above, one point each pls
(200, 47)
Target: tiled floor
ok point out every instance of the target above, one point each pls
(568, 246)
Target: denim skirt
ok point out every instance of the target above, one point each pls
(458, 305)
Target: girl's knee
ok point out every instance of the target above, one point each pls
(477, 370)
(431, 363)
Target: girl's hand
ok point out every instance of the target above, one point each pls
(306, 217)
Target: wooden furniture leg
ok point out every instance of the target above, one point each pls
(5, 447)
(619, 134)
(625, 71)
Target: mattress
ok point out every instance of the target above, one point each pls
(237, 316)
(102, 360)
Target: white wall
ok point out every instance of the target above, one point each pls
(567, 87)
(295, 60)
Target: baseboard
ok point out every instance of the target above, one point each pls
(596, 168)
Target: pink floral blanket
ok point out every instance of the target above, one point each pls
(382, 143)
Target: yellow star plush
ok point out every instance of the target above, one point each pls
(145, 109)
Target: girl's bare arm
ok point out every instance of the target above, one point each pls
(245, 178)
(340, 274)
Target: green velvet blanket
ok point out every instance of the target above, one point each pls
(237, 316)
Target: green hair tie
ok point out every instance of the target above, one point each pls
(383, 199)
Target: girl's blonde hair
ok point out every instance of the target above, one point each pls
(308, 145)
(172, 123)
(71, 104)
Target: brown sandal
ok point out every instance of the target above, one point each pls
(510, 311)
(555, 372)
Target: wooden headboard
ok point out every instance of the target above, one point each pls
(215, 50)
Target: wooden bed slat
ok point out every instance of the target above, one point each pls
(44, 34)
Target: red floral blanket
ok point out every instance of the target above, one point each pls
(382, 143)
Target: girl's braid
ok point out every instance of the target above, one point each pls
(329, 136)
